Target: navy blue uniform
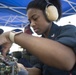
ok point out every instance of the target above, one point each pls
(67, 36)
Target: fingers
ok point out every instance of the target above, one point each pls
(6, 48)
(20, 66)
(4, 51)
(21, 69)
(5, 42)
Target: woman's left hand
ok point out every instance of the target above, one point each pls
(5, 42)
(21, 69)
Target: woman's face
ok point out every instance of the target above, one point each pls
(37, 20)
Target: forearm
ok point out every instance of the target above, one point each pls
(48, 51)
(33, 71)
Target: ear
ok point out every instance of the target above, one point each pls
(51, 12)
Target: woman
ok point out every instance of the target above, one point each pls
(55, 49)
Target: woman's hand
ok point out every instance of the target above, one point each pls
(21, 69)
(20, 66)
(5, 42)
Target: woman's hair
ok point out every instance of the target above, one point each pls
(41, 4)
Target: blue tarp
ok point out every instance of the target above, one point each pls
(13, 12)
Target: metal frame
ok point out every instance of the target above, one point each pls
(70, 3)
(12, 20)
(9, 20)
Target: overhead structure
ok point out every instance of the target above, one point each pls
(13, 12)
(68, 7)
